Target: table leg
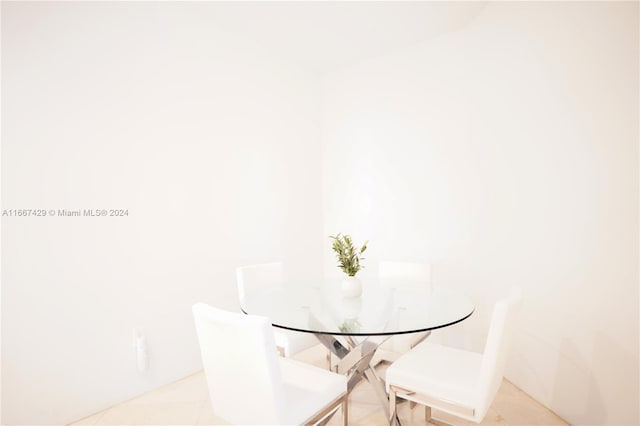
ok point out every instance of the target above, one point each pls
(333, 344)
(355, 360)
(379, 386)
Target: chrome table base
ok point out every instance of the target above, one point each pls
(355, 361)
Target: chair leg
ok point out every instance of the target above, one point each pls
(345, 410)
(431, 420)
(393, 414)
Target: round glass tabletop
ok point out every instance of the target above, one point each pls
(379, 311)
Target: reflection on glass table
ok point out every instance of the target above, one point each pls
(379, 311)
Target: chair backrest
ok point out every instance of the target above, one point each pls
(496, 350)
(258, 277)
(404, 275)
(241, 366)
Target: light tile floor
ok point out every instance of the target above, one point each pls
(186, 402)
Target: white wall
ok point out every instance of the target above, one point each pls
(210, 144)
(504, 154)
(507, 154)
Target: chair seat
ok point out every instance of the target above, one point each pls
(431, 369)
(293, 341)
(455, 381)
(250, 384)
(307, 387)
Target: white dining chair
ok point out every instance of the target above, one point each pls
(269, 276)
(399, 276)
(249, 384)
(455, 381)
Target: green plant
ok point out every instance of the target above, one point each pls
(349, 257)
(351, 325)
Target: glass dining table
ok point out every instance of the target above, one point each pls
(354, 328)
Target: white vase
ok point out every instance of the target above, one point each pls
(351, 287)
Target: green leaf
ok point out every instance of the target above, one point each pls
(349, 257)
